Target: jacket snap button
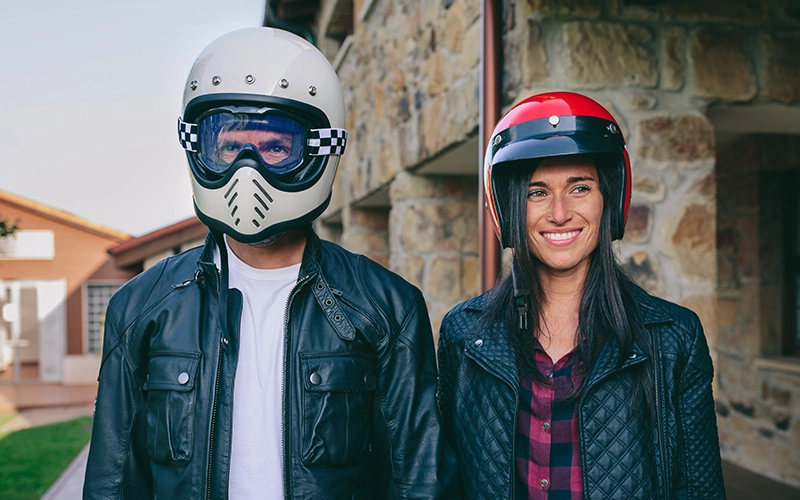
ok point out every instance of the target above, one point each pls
(545, 483)
(183, 378)
(478, 343)
(546, 425)
(225, 340)
(316, 379)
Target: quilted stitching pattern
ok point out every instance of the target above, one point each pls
(622, 457)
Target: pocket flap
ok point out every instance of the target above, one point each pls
(349, 372)
(172, 371)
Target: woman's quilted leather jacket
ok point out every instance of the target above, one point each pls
(622, 456)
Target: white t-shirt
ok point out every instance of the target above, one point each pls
(256, 447)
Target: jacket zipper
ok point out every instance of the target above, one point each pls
(659, 422)
(516, 413)
(213, 423)
(287, 409)
(213, 405)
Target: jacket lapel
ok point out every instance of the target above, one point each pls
(491, 349)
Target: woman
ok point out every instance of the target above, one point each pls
(567, 380)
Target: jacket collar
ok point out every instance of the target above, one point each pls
(310, 272)
(491, 346)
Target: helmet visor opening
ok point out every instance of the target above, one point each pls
(271, 137)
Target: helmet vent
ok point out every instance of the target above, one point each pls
(233, 195)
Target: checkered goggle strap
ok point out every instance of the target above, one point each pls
(187, 135)
(326, 141)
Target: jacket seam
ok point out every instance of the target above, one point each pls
(368, 293)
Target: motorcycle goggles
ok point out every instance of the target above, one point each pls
(277, 139)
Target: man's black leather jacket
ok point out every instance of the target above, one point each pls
(623, 456)
(359, 412)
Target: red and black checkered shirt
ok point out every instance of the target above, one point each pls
(547, 450)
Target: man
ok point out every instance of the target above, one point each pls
(267, 363)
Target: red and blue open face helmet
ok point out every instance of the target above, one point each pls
(557, 124)
(263, 129)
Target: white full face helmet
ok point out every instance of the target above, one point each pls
(263, 129)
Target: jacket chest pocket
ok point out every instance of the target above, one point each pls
(336, 408)
(170, 406)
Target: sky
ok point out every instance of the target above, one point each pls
(90, 92)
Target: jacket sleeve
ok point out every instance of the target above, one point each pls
(444, 393)
(700, 468)
(423, 466)
(117, 466)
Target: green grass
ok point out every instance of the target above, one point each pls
(32, 459)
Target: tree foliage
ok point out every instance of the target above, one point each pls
(7, 228)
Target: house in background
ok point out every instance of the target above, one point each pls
(138, 254)
(56, 277)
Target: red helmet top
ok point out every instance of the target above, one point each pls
(558, 124)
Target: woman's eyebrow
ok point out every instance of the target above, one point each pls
(571, 180)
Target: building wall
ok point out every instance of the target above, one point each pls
(79, 255)
(759, 399)
(410, 73)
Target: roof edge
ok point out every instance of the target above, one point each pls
(62, 216)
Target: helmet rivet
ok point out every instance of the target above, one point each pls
(312, 90)
(249, 79)
(612, 128)
(497, 140)
(193, 84)
(554, 120)
(216, 80)
(283, 83)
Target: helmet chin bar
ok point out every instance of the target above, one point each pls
(250, 209)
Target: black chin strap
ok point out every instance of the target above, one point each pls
(521, 298)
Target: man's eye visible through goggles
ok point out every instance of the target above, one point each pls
(273, 147)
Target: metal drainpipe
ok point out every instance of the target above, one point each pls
(491, 71)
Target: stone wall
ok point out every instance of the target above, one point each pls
(758, 405)
(411, 76)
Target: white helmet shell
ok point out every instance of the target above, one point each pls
(263, 67)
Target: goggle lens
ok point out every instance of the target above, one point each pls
(278, 140)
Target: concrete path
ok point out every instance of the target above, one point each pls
(69, 486)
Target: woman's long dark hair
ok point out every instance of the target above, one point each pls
(608, 307)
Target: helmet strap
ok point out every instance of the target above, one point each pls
(521, 299)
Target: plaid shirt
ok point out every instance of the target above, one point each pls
(547, 450)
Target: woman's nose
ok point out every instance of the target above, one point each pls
(560, 212)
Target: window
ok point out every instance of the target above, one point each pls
(97, 297)
(28, 245)
(791, 210)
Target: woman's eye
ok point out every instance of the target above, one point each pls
(582, 189)
(536, 193)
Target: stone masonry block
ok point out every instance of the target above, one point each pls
(693, 240)
(442, 279)
(637, 230)
(781, 69)
(676, 137)
(455, 28)
(721, 65)
(673, 56)
(605, 54)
